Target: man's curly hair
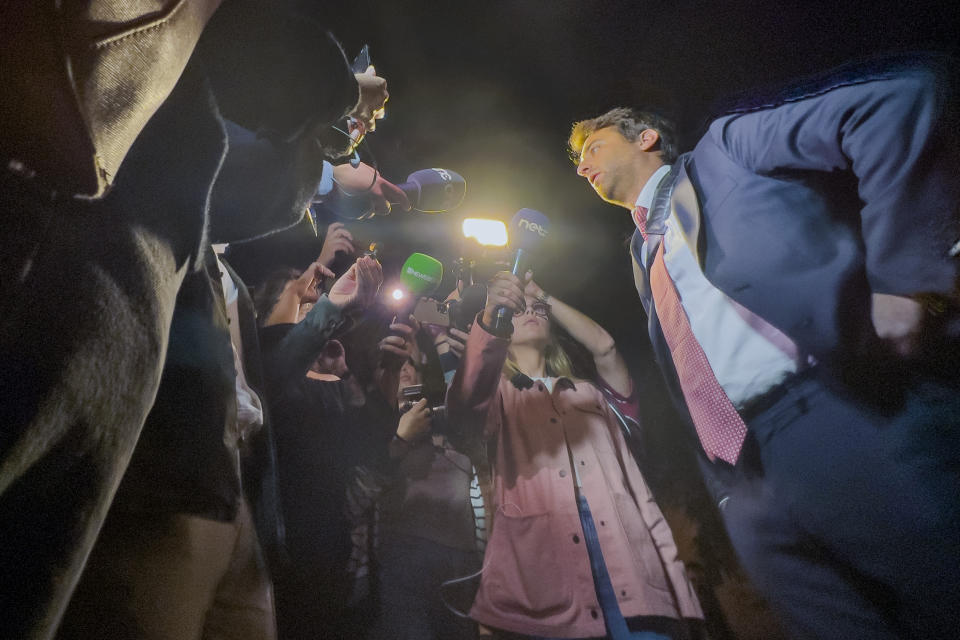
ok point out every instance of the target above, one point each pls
(631, 123)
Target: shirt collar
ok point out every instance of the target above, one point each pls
(645, 199)
(230, 289)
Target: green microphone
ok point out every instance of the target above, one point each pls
(420, 276)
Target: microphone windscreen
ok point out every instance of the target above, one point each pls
(434, 190)
(421, 274)
(528, 228)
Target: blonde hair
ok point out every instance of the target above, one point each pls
(558, 363)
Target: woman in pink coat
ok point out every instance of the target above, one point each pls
(579, 548)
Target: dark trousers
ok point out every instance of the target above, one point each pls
(412, 571)
(847, 518)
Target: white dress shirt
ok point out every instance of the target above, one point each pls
(748, 355)
(249, 407)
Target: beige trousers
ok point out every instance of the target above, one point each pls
(176, 577)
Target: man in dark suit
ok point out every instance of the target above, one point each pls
(799, 270)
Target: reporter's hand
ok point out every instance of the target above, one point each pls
(336, 239)
(415, 423)
(373, 98)
(532, 289)
(898, 320)
(365, 180)
(504, 290)
(455, 339)
(357, 288)
(401, 340)
(305, 287)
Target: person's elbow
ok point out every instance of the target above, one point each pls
(604, 347)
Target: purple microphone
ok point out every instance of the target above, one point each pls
(528, 229)
(434, 190)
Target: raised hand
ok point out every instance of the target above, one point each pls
(358, 287)
(337, 239)
(532, 289)
(455, 339)
(504, 290)
(401, 341)
(415, 422)
(305, 287)
(373, 99)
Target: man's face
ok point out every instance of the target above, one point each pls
(609, 162)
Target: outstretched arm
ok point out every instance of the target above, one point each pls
(474, 387)
(355, 290)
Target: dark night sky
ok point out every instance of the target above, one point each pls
(490, 90)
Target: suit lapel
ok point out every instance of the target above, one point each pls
(675, 196)
(686, 209)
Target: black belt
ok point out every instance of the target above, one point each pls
(758, 404)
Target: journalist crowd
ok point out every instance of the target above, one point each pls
(219, 422)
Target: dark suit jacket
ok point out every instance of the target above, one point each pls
(801, 208)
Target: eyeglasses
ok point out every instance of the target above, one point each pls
(538, 308)
(356, 132)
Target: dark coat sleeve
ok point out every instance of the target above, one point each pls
(262, 187)
(475, 385)
(896, 133)
(290, 356)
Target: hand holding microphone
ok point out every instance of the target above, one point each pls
(361, 191)
(528, 229)
(420, 276)
(504, 293)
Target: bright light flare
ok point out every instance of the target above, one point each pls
(490, 233)
(397, 294)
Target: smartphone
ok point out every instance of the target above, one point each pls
(430, 311)
(362, 61)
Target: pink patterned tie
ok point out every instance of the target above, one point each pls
(719, 426)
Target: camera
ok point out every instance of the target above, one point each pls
(414, 393)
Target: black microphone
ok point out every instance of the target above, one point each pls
(434, 190)
(528, 228)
